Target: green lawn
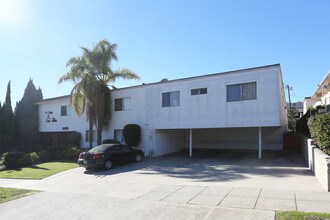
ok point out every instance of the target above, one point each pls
(7, 194)
(294, 215)
(38, 171)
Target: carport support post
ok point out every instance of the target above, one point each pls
(190, 142)
(260, 143)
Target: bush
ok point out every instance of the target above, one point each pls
(28, 159)
(320, 130)
(110, 141)
(43, 156)
(62, 152)
(10, 159)
(132, 134)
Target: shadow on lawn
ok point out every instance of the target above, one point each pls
(32, 167)
(215, 166)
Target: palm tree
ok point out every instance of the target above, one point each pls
(92, 75)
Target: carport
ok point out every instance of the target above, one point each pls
(249, 138)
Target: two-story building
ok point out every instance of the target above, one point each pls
(242, 109)
(321, 96)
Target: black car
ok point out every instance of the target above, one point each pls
(105, 155)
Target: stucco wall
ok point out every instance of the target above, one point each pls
(236, 138)
(168, 141)
(317, 161)
(209, 110)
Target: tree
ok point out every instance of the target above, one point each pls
(7, 126)
(132, 135)
(92, 75)
(26, 119)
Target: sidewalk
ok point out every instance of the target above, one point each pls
(226, 197)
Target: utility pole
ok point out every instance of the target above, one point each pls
(289, 89)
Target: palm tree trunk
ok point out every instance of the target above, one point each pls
(99, 135)
(90, 134)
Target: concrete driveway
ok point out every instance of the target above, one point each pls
(221, 185)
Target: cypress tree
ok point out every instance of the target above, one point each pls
(26, 119)
(7, 123)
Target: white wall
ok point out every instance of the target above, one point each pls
(236, 138)
(72, 121)
(210, 110)
(308, 102)
(168, 141)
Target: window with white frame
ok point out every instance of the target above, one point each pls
(66, 110)
(170, 99)
(199, 91)
(94, 136)
(118, 135)
(122, 104)
(242, 91)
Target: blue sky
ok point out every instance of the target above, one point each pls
(164, 39)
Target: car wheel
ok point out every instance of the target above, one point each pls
(138, 158)
(107, 165)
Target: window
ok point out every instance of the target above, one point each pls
(170, 99)
(122, 104)
(66, 110)
(199, 91)
(239, 92)
(94, 138)
(118, 135)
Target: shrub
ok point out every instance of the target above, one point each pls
(132, 134)
(28, 159)
(10, 159)
(62, 152)
(110, 141)
(320, 130)
(43, 156)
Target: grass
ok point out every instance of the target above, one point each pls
(294, 215)
(38, 171)
(7, 194)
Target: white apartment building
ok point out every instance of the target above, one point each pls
(321, 96)
(242, 109)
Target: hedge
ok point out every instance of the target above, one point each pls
(132, 135)
(18, 159)
(319, 127)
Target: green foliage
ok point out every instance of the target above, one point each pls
(18, 159)
(10, 159)
(7, 126)
(26, 119)
(7, 194)
(38, 171)
(295, 215)
(91, 74)
(320, 130)
(132, 135)
(63, 152)
(28, 159)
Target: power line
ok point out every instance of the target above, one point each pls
(33, 59)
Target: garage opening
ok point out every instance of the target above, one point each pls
(252, 138)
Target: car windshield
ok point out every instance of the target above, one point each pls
(101, 148)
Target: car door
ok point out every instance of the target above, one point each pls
(127, 153)
(115, 153)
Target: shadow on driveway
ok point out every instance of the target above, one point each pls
(217, 166)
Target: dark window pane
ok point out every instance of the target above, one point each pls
(63, 111)
(203, 91)
(233, 92)
(194, 92)
(118, 104)
(166, 99)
